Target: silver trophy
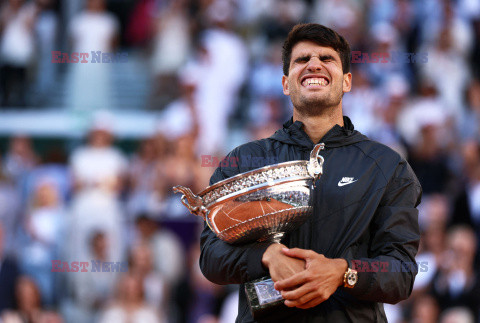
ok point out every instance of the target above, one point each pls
(259, 205)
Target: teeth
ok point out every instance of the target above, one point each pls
(316, 81)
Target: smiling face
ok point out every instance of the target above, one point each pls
(315, 80)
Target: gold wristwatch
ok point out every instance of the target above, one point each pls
(350, 278)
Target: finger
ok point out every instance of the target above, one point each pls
(296, 293)
(305, 299)
(297, 253)
(291, 282)
(312, 303)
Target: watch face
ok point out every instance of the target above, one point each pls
(351, 279)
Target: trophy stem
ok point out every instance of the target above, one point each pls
(274, 237)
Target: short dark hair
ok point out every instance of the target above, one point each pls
(320, 35)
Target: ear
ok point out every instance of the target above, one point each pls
(347, 82)
(286, 91)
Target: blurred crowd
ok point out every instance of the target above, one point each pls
(216, 81)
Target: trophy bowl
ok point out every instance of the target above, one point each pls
(261, 204)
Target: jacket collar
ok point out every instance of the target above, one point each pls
(337, 136)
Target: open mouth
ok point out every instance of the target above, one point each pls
(315, 82)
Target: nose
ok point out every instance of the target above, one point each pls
(314, 64)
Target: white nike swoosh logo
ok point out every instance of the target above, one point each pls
(346, 183)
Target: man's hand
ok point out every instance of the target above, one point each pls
(280, 265)
(314, 285)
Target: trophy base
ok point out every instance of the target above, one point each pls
(266, 303)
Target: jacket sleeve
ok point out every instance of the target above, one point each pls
(224, 263)
(387, 276)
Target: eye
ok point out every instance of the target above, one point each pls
(302, 59)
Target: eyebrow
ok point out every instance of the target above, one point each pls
(320, 57)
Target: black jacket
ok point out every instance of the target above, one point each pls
(373, 221)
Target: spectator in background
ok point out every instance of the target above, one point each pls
(165, 247)
(9, 211)
(362, 103)
(156, 291)
(142, 180)
(456, 282)
(171, 47)
(466, 206)
(385, 130)
(276, 19)
(423, 124)
(430, 161)
(445, 52)
(46, 26)
(425, 310)
(179, 123)
(20, 158)
(182, 167)
(180, 117)
(98, 171)
(44, 233)
(404, 18)
(9, 273)
(93, 30)
(218, 73)
(469, 121)
(54, 167)
(29, 305)
(344, 16)
(130, 305)
(91, 290)
(387, 40)
(197, 299)
(268, 102)
(433, 219)
(146, 175)
(424, 108)
(17, 48)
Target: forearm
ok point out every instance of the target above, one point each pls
(222, 263)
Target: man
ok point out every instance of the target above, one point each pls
(365, 215)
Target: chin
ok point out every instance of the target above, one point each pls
(316, 106)
(311, 109)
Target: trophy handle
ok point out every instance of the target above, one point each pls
(194, 203)
(315, 164)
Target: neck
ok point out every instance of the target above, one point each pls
(317, 126)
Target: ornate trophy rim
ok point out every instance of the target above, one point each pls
(267, 175)
(251, 172)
